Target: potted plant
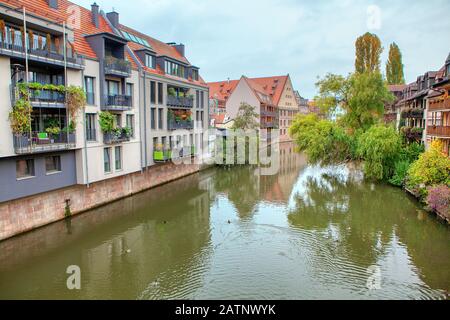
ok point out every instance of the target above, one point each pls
(127, 132)
(171, 91)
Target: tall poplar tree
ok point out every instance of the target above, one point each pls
(394, 66)
(368, 53)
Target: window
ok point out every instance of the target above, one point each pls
(175, 69)
(155, 142)
(160, 93)
(53, 164)
(150, 61)
(112, 87)
(195, 74)
(152, 118)
(118, 157)
(202, 105)
(90, 127)
(107, 159)
(160, 119)
(130, 123)
(130, 91)
(152, 92)
(118, 120)
(197, 99)
(24, 168)
(89, 87)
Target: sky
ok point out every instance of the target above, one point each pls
(303, 38)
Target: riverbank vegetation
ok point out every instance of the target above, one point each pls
(359, 133)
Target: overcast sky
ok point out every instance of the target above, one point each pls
(306, 39)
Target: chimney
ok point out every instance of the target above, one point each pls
(180, 48)
(53, 4)
(113, 17)
(95, 14)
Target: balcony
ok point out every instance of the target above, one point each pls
(117, 103)
(40, 142)
(413, 114)
(116, 137)
(271, 114)
(173, 124)
(117, 67)
(268, 124)
(37, 54)
(44, 98)
(439, 105)
(180, 102)
(440, 131)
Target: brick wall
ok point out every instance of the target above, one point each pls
(26, 214)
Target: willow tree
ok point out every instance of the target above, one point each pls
(394, 66)
(368, 53)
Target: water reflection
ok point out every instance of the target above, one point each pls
(306, 233)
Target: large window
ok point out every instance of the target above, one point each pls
(130, 123)
(118, 157)
(152, 118)
(90, 93)
(90, 127)
(160, 119)
(130, 91)
(52, 164)
(160, 93)
(107, 160)
(202, 99)
(175, 69)
(197, 99)
(152, 92)
(24, 168)
(112, 87)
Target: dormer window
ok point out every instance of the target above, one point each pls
(195, 74)
(448, 70)
(150, 61)
(175, 69)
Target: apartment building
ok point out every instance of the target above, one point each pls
(173, 97)
(139, 92)
(391, 114)
(438, 110)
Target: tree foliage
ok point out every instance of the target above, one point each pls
(368, 52)
(380, 148)
(246, 118)
(394, 66)
(323, 141)
(362, 96)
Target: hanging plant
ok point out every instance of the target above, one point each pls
(19, 117)
(76, 99)
(30, 39)
(40, 43)
(49, 42)
(3, 29)
(22, 33)
(106, 121)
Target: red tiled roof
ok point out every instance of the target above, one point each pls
(40, 8)
(161, 49)
(222, 90)
(218, 118)
(396, 87)
(270, 86)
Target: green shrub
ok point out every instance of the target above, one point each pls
(400, 173)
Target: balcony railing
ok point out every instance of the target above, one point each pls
(113, 137)
(42, 142)
(413, 114)
(118, 67)
(42, 98)
(118, 102)
(164, 155)
(183, 102)
(268, 124)
(36, 53)
(265, 113)
(442, 131)
(179, 125)
(439, 105)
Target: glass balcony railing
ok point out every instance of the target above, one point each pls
(115, 137)
(180, 125)
(184, 102)
(115, 66)
(118, 102)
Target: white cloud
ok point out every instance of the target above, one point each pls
(302, 38)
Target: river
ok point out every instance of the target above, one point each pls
(306, 233)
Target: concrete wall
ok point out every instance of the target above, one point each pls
(13, 188)
(26, 214)
(242, 93)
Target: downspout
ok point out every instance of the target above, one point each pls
(145, 120)
(84, 134)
